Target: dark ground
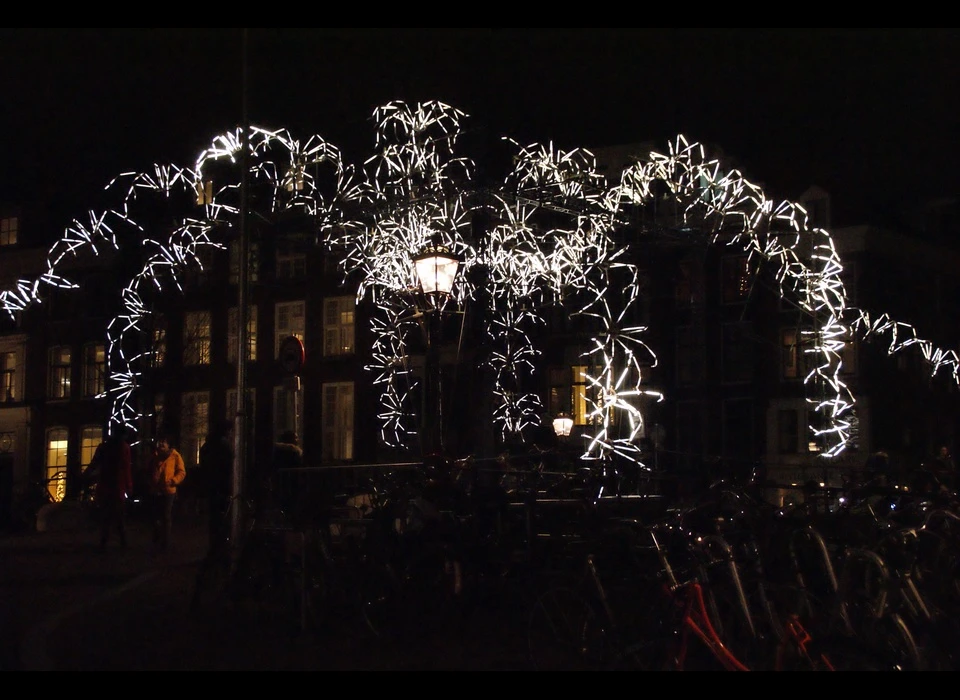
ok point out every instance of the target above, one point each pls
(66, 605)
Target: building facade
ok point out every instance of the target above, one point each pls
(729, 345)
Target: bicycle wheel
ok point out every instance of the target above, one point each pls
(565, 632)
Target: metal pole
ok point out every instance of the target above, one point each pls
(240, 424)
(432, 411)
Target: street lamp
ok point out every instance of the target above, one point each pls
(436, 270)
(562, 425)
(436, 267)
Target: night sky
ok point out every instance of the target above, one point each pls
(872, 115)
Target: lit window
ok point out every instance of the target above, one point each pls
(289, 320)
(94, 369)
(581, 407)
(338, 326)
(294, 179)
(337, 421)
(9, 227)
(90, 438)
(204, 192)
(59, 373)
(8, 377)
(196, 338)
(194, 424)
(232, 332)
(57, 442)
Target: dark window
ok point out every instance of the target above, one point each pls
(689, 289)
(737, 353)
(788, 431)
(690, 355)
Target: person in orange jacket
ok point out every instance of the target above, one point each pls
(167, 472)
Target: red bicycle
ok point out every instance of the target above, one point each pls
(685, 637)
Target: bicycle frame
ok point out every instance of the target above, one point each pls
(694, 619)
(695, 622)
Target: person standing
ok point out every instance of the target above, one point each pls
(216, 466)
(114, 485)
(167, 472)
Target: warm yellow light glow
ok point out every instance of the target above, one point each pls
(436, 270)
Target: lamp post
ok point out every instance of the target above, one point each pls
(436, 269)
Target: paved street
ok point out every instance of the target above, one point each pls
(66, 605)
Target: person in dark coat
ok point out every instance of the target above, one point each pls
(114, 485)
(216, 467)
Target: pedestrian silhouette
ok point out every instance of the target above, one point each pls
(114, 485)
(216, 468)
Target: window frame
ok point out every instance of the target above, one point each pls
(290, 265)
(59, 371)
(95, 371)
(233, 262)
(9, 375)
(338, 424)
(338, 334)
(197, 338)
(194, 424)
(233, 317)
(90, 438)
(55, 460)
(284, 331)
(9, 230)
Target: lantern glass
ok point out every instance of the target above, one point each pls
(436, 271)
(562, 425)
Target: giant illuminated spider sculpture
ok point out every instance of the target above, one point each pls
(550, 237)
